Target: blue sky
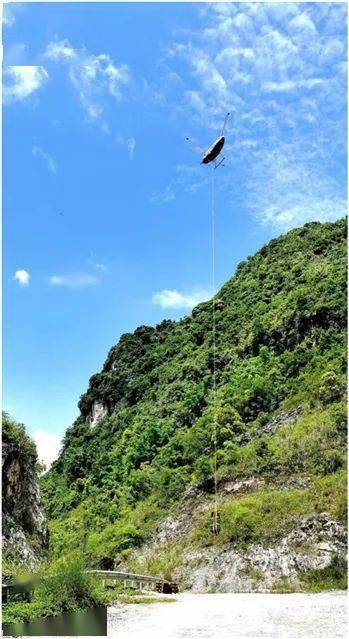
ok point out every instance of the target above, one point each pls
(106, 208)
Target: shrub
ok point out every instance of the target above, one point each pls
(62, 587)
(330, 388)
(66, 587)
(104, 547)
(265, 516)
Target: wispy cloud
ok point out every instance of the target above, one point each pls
(94, 77)
(8, 16)
(74, 280)
(22, 277)
(167, 195)
(48, 446)
(37, 151)
(281, 67)
(128, 142)
(97, 264)
(188, 179)
(174, 299)
(287, 189)
(10, 11)
(22, 81)
(296, 193)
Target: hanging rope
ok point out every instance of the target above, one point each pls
(215, 517)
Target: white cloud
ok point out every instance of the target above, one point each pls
(195, 100)
(188, 179)
(290, 85)
(21, 81)
(296, 193)
(97, 264)
(8, 17)
(48, 446)
(94, 77)
(302, 22)
(22, 276)
(174, 299)
(310, 210)
(37, 151)
(74, 280)
(167, 195)
(105, 128)
(280, 67)
(129, 143)
(60, 51)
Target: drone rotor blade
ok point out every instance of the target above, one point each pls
(225, 122)
(195, 146)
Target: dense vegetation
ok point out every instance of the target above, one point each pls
(15, 433)
(281, 345)
(60, 587)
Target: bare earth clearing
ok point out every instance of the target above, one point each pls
(229, 616)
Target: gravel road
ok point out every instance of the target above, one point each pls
(230, 616)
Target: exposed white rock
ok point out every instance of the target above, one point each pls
(24, 527)
(243, 485)
(259, 568)
(284, 418)
(98, 412)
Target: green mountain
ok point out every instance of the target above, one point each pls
(145, 432)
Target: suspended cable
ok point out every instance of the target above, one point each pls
(211, 156)
(215, 518)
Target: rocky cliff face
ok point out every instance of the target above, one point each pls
(312, 544)
(260, 568)
(24, 528)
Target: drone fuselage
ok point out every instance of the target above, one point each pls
(214, 150)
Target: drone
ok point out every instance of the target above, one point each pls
(212, 153)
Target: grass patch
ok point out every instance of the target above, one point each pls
(138, 599)
(283, 587)
(332, 577)
(252, 573)
(162, 562)
(62, 587)
(266, 516)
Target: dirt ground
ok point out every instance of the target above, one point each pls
(230, 616)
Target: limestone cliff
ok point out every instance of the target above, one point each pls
(24, 528)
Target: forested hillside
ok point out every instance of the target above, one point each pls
(144, 435)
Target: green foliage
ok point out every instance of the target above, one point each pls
(267, 515)
(67, 587)
(62, 587)
(281, 343)
(161, 562)
(113, 540)
(24, 611)
(331, 389)
(332, 577)
(133, 599)
(316, 443)
(15, 433)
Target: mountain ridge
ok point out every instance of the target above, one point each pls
(144, 433)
